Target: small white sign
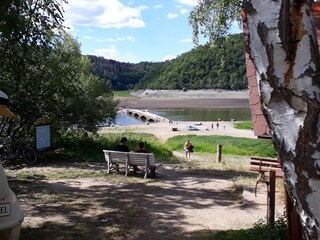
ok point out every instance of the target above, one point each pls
(43, 137)
(5, 209)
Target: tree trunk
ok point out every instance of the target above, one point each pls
(283, 48)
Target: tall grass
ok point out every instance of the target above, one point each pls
(260, 231)
(88, 147)
(230, 145)
(247, 125)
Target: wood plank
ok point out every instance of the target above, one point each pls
(266, 164)
(265, 159)
(279, 172)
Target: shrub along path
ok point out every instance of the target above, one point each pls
(67, 202)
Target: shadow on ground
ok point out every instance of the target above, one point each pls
(123, 208)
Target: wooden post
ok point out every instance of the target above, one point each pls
(219, 152)
(271, 197)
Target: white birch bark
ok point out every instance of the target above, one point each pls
(283, 47)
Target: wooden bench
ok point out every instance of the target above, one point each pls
(130, 159)
(259, 164)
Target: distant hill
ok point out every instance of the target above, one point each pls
(201, 68)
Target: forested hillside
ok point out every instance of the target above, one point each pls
(203, 67)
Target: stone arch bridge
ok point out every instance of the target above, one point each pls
(144, 115)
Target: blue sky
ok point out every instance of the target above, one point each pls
(131, 30)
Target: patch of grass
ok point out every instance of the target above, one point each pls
(247, 125)
(122, 94)
(61, 173)
(230, 145)
(260, 231)
(81, 146)
(88, 147)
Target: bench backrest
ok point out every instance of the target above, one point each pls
(259, 164)
(115, 156)
(133, 158)
(140, 159)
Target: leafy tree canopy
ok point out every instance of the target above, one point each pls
(201, 68)
(213, 18)
(43, 72)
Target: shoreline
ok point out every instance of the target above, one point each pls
(169, 99)
(164, 130)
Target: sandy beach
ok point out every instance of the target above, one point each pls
(156, 99)
(163, 130)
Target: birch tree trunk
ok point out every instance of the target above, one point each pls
(284, 50)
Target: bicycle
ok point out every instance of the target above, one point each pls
(21, 151)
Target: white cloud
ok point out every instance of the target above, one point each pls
(158, 6)
(186, 40)
(119, 39)
(168, 57)
(103, 14)
(87, 37)
(188, 2)
(108, 53)
(113, 53)
(172, 15)
(184, 11)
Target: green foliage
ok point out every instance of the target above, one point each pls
(260, 231)
(213, 19)
(230, 145)
(201, 68)
(122, 76)
(243, 125)
(55, 83)
(43, 72)
(30, 22)
(85, 146)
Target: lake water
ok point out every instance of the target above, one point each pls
(188, 114)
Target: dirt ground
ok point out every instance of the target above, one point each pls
(182, 202)
(163, 130)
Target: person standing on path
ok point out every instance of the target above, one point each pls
(188, 149)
